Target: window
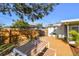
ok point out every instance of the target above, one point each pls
(74, 27)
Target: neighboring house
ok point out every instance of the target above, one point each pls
(56, 30)
(62, 29)
(72, 24)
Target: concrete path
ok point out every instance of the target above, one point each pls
(62, 48)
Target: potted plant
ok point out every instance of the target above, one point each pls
(74, 38)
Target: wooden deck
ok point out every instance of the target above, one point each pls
(49, 52)
(61, 47)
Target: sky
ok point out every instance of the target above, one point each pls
(63, 11)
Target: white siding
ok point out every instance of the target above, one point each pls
(50, 31)
(57, 30)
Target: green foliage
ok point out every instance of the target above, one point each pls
(77, 42)
(73, 32)
(39, 25)
(6, 49)
(75, 36)
(2, 25)
(20, 24)
(4, 46)
(33, 11)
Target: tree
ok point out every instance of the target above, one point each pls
(20, 24)
(2, 25)
(33, 11)
(30, 11)
(39, 25)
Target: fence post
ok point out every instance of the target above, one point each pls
(10, 36)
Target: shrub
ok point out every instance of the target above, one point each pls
(5, 49)
(74, 36)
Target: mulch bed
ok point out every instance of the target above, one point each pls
(75, 51)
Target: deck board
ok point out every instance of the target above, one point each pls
(62, 48)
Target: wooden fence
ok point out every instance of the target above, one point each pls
(13, 35)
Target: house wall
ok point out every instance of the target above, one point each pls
(57, 31)
(60, 32)
(74, 27)
(50, 31)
